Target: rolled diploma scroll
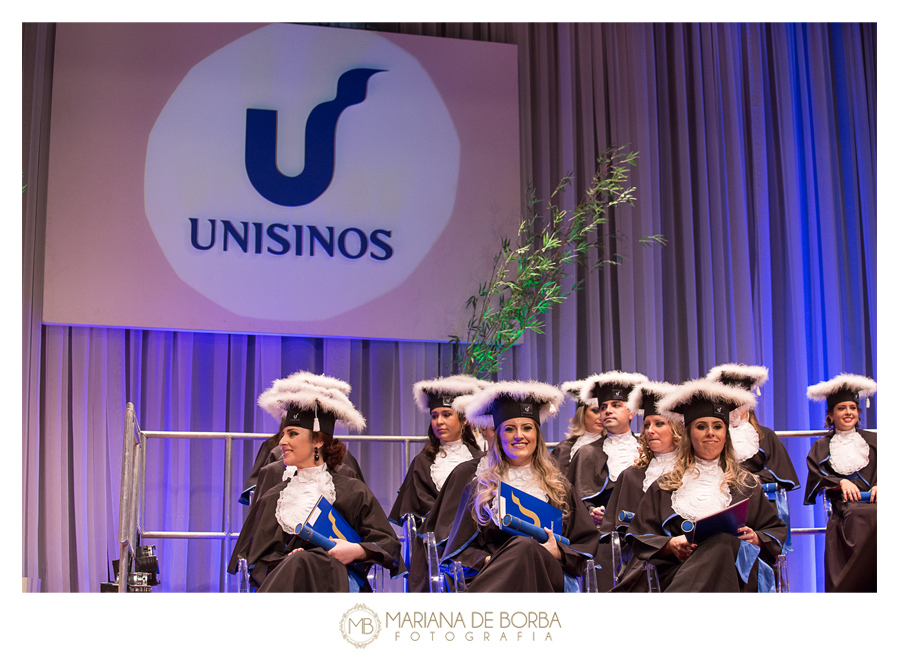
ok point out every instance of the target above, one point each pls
(530, 529)
(306, 532)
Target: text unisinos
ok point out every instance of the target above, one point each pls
(282, 239)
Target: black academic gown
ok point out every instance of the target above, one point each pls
(416, 497)
(517, 564)
(268, 455)
(562, 455)
(850, 523)
(591, 480)
(771, 463)
(712, 565)
(268, 547)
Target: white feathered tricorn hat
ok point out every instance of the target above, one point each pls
(645, 397)
(611, 385)
(430, 394)
(302, 377)
(573, 391)
(503, 401)
(702, 398)
(843, 388)
(738, 374)
(315, 408)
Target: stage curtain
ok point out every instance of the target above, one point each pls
(757, 162)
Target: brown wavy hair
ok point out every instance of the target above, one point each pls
(552, 481)
(645, 454)
(735, 474)
(434, 443)
(332, 451)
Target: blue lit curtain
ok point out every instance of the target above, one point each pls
(757, 160)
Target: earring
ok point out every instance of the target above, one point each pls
(317, 453)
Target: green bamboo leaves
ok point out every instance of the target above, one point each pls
(531, 276)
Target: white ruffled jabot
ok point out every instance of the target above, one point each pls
(849, 452)
(700, 493)
(583, 440)
(621, 451)
(451, 455)
(659, 466)
(297, 499)
(744, 440)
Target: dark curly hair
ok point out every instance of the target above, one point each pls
(332, 451)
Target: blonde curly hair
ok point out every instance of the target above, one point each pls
(645, 454)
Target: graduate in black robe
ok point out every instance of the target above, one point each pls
(843, 476)
(494, 560)
(706, 479)
(656, 451)
(596, 466)
(277, 566)
(279, 560)
(451, 441)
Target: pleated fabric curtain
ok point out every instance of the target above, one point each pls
(757, 151)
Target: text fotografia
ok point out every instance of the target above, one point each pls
(289, 239)
(477, 627)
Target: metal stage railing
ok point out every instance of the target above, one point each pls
(134, 470)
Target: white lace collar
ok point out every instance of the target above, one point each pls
(583, 440)
(451, 454)
(849, 452)
(297, 499)
(659, 466)
(621, 451)
(700, 493)
(744, 441)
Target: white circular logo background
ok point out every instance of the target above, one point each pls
(396, 169)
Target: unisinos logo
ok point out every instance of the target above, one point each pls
(298, 160)
(261, 145)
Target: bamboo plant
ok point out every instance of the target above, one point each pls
(531, 275)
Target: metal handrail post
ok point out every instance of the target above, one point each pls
(226, 526)
(125, 498)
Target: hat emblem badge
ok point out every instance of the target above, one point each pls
(617, 392)
(719, 409)
(526, 409)
(447, 401)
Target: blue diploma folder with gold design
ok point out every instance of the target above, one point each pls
(324, 524)
(528, 511)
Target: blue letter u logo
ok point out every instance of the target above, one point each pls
(321, 125)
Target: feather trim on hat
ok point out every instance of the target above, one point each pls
(572, 389)
(864, 386)
(758, 374)
(549, 398)
(612, 377)
(460, 402)
(308, 397)
(452, 386)
(657, 389)
(707, 390)
(297, 380)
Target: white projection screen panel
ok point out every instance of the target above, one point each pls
(280, 179)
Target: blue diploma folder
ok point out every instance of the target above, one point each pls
(325, 524)
(530, 511)
(727, 521)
